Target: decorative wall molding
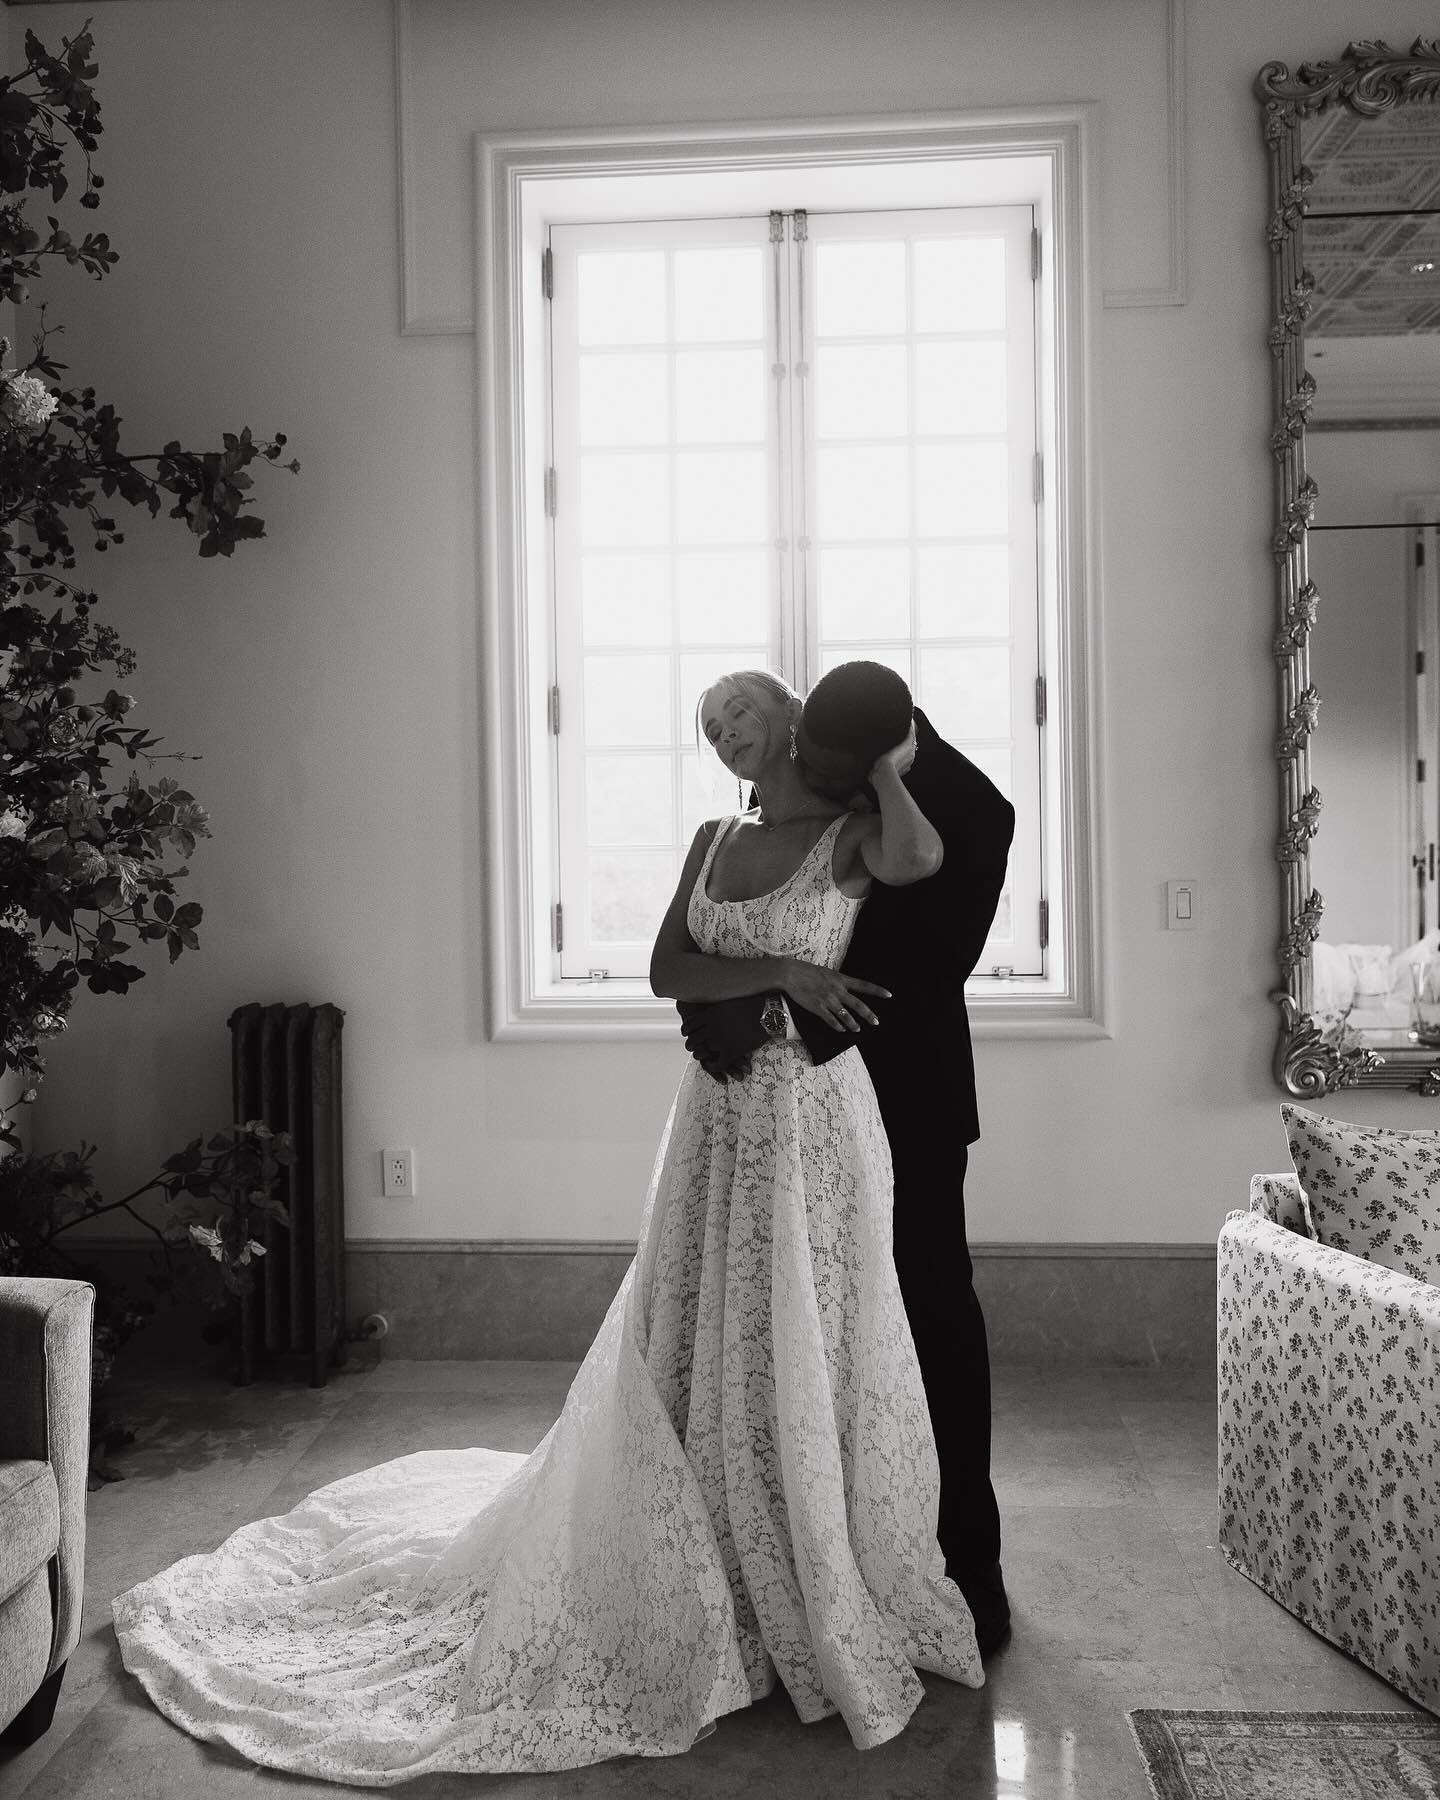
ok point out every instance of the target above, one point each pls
(416, 323)
(1173, 293)
(413, 323)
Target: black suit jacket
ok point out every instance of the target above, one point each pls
(922, 942)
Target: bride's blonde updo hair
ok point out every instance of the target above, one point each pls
(754, 687)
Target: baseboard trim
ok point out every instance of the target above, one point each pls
(626, 1247)
(1126, 1305)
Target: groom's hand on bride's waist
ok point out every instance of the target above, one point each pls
(722, 1035)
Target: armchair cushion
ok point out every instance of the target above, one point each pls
(1281, 1199)
(1369, 1190)
(29, 1522)
(26, 1619)
(45, 1353)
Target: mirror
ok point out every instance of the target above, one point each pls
(1354, 234)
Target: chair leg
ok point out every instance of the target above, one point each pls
(33, 1719)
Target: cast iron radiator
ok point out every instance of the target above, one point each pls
(285, 1068)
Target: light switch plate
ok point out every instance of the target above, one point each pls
(1181, 905)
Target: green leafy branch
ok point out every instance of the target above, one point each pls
(232, 1177)
(75, 464)
(42, 105)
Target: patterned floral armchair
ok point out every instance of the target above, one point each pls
(44, 1458)
(1329, 1476)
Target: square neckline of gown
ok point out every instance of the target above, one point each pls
(770, 893)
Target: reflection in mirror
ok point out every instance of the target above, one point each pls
(1355, 334)
(1372, 249)
(1366, 468)
(1372, 337)
(1374, 759)
(1372, 342)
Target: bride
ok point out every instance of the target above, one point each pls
(742, 1484)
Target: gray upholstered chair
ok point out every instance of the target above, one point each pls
(1329, 1415)
(45, 1335)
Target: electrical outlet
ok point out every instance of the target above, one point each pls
(398, 1174)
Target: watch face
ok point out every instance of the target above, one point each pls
(773, 1017)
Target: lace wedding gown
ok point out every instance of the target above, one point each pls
(742, 1483)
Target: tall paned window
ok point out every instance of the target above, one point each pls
(785, 441)
(667, 449)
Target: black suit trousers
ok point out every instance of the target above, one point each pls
(932, 1259)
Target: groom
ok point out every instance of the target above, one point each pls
(921, 943)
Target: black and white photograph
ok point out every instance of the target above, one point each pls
(719, 918)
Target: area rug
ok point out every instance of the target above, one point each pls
(1289, 1755)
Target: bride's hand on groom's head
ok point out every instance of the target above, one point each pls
(898, 757)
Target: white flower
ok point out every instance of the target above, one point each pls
(211, 1239)
(215, 1244)
(25, 401)
(13, 823)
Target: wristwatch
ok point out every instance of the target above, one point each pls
(773, 1018)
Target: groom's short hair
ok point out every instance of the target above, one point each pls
(851, 716)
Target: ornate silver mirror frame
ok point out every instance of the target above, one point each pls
(1369, 79)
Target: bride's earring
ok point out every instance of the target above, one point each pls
(740, 793)
(794, 747)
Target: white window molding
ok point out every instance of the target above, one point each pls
(527, 181)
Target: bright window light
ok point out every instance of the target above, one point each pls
(793, 445)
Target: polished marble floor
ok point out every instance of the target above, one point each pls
(1106, 1481)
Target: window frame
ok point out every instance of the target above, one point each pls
(524, 182)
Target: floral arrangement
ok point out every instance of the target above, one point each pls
(81, 856)
(90, 854)
(25, 402)
(218, 1196)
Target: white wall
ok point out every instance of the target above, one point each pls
(329, 674)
